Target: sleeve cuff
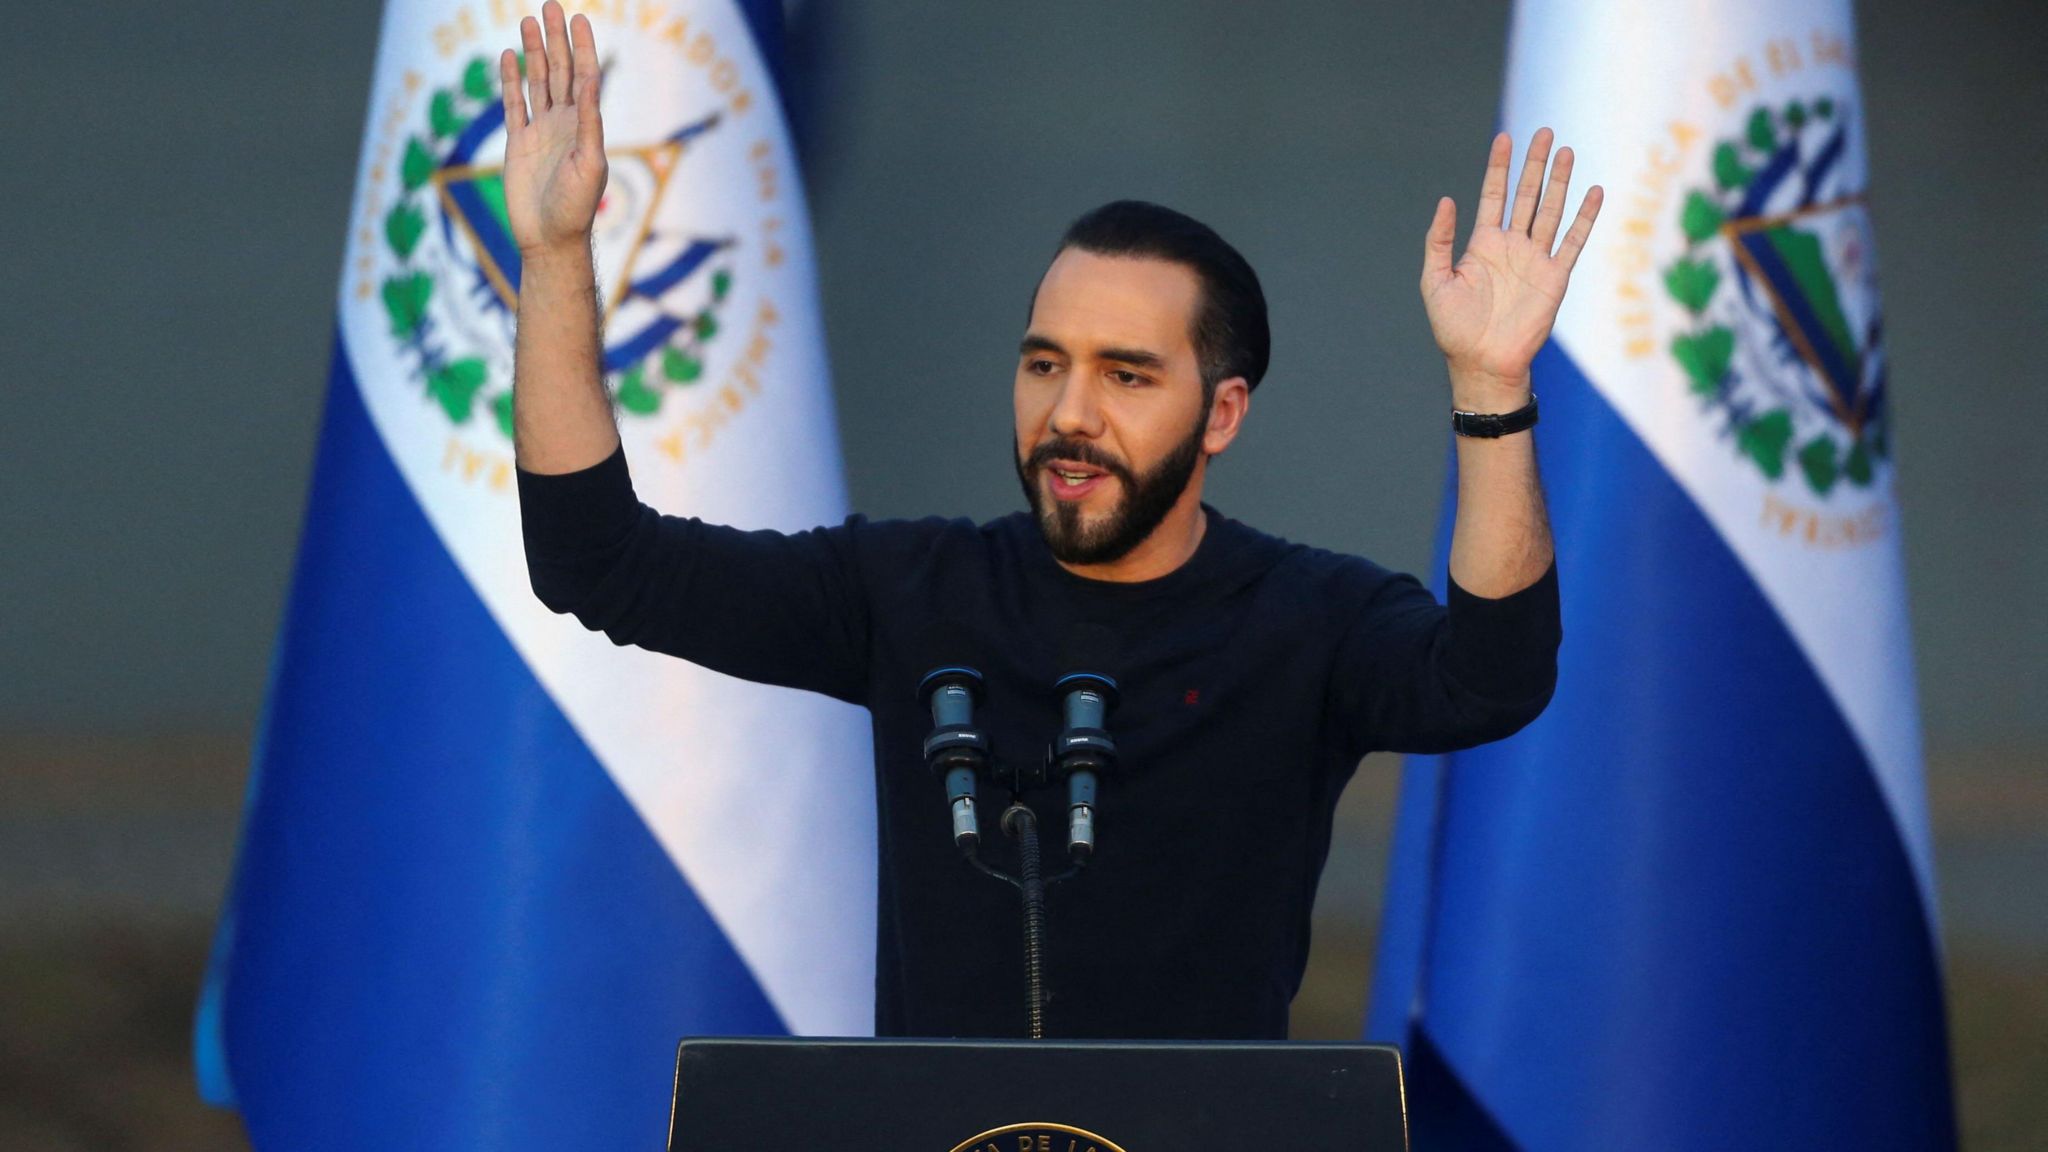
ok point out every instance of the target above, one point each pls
(1506, 649)
(576, 512)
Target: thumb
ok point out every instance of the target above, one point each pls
(1436, 248)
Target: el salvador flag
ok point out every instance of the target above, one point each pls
(494, 867)
(1692, 906)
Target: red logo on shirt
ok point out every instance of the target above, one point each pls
(1191, 696)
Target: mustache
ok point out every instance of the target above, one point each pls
(1080, 452)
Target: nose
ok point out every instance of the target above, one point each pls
(1076, 412)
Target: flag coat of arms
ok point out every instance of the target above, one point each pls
(494, 867)
(1692, 906)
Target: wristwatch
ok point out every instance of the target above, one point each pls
(1491, 424)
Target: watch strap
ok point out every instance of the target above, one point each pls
(1488, 425)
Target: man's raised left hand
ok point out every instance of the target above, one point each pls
(1492, 309)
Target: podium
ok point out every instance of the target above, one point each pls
(1035, 1096)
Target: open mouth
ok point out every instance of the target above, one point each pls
(1071, 481)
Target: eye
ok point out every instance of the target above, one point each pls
(1126, 377)
(1040, 366)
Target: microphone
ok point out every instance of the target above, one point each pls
(1084, 748)
(956, 749)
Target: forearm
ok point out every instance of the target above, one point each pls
(1500, 539)
(561, 417)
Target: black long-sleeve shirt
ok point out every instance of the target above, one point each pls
(1254, 677)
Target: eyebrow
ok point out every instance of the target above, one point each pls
(1137, 357)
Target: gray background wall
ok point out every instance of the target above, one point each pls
(174, 183)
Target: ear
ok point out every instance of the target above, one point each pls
(1227, 411)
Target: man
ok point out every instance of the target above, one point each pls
(1256, 672)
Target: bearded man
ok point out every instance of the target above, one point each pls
(1257, 672)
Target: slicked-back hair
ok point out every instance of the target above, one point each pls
(1229, 328)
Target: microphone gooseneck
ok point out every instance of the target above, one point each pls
(1022, 824)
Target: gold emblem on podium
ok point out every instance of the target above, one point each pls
(1037, 1138)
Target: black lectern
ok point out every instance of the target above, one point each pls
(1035, 1096)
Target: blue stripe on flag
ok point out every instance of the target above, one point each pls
(679, 269)
(449, 928)
(642, 344)
(1674, 912)
(488, 120)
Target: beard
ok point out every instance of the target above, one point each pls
(1146, 498)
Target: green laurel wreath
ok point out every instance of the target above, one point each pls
(681, 362)
(455, 384)
(1706, 351)
(459, 385)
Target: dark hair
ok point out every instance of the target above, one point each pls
(1230, 333)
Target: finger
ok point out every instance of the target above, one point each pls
(588, 127)
(508, 89)
(1531, 182)
(558, 52)
(1575, 240)
(536, 66)
(1436, 248)
(1493, 191)
(1551, 213)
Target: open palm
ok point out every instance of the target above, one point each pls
(1493, 308)
(554, 139)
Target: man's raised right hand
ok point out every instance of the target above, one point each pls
(554, 140)
(554, 175)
